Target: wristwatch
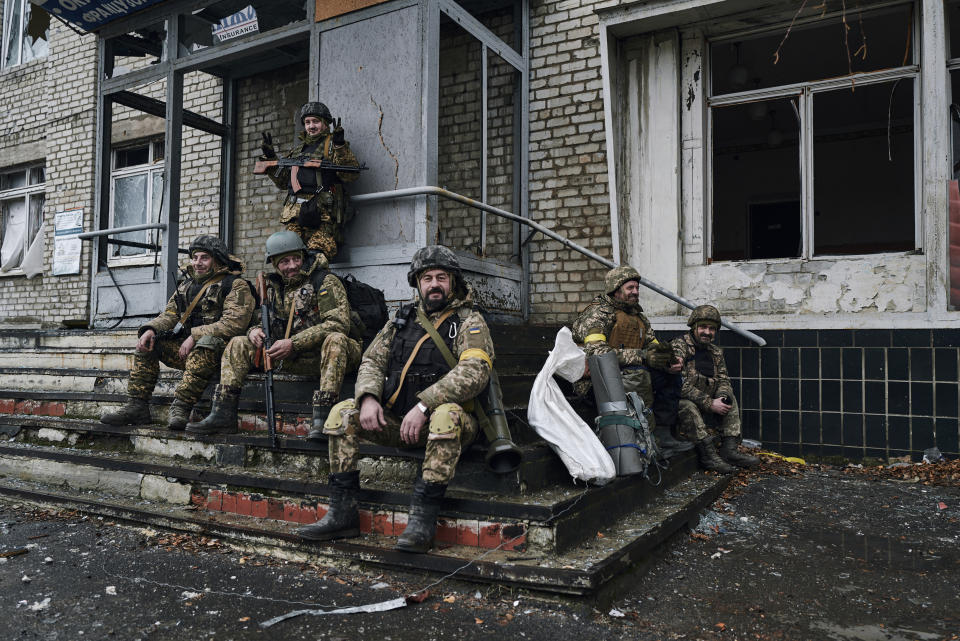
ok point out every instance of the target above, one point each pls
(423, 408)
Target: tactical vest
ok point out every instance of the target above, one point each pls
(703, 361)
(628, 332)
(208, 309)
(428, 366)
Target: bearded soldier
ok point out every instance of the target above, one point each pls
(706, 399)
(408, 395)
(211, 305)
(310, 326)
(315, 203)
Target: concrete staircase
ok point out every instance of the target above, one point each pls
(533, 528)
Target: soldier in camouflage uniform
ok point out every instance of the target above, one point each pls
(306, 297)
(706, 398)
(408, 396)
(220, 304)
(323, 230)
(615, 321)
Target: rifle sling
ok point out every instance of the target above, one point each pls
(416, 348)
(196, 299)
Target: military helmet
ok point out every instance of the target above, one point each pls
(617, 276)
(283, 242)
(213, 246)
(704, 314)
(432, 257)
(317, 109)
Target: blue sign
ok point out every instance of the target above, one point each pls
(90, 15)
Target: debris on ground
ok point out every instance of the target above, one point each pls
(943, 472)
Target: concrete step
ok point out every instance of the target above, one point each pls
(593, 568)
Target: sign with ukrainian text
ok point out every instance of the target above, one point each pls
(239, 24)
(90, 15)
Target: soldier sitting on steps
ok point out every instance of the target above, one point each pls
(310, 326)
(212, 305)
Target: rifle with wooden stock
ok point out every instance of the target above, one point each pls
(262, 166)
(263, 357)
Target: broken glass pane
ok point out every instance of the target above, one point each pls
(136, 50)
(229, 21)
(130, 208)
(36, 27)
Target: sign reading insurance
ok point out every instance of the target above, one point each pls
(90, 15)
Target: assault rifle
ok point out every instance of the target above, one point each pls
(262, 166)
(262, 357)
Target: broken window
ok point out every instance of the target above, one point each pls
(21, 213)
(230, 20)
(136, 196)
(25, 29)
(814, 155)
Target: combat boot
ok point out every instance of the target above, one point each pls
(730, 453)
(422, 524)
(709, 458)
(322, 403)
(667, 443)
(223, 414)
(178, 415)
(342, 520)
(136, 411)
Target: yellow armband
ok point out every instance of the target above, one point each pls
(593, 338)
(475, 352)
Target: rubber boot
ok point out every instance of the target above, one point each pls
(322, 402)
(669, 445)
(223, 414)
(422, 525)
(709, 458)
(178, 415)
(731, 454)
(342, 520)
(136, 411)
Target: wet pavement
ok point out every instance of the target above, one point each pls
(815, 554)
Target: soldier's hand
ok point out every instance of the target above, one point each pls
(145, 343)
(281, 349)
(676, 367)
(657, 358)
(256, 337)
(267, 146)
(371, 415)
(717, 406)
(186, 347)
(412, 423)
(338, 137)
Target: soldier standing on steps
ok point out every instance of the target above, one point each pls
(706, 398)
(212, 305)
(310, 327)
(407, 395)
(320, 223)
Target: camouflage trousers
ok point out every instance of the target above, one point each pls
(338, 354)
(694, 427)
(449, 430)
(322, 239)
(199, 367)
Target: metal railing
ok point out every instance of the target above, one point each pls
(443, 193)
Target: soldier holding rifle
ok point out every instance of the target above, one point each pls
(316, 203)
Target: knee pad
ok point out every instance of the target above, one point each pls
(340, 417)
(445, 422)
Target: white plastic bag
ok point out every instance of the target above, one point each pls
(555, 421)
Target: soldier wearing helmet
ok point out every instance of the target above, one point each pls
(615, 321)
(407, 395)
(315, 204)
(707, 402)
(211, 305)
(310, 328)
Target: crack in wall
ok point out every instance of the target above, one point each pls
(383, 143)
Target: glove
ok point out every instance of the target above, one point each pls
(657, 358)
(267, 146)
(338, 138)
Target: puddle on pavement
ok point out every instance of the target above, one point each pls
(870, 633)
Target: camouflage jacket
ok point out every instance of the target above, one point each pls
(460, 384)
(219, 315)
(698, 388)
(599, 317)
(338, 156)
(317, 311)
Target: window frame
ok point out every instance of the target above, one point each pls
(805, 93)
(27, 192)
(153, 166)
(25, 6)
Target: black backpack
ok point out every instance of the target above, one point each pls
(368, 308)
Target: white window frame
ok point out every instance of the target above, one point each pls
(25, 192)
(805, 92)
(25, 8)
(151, 168)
